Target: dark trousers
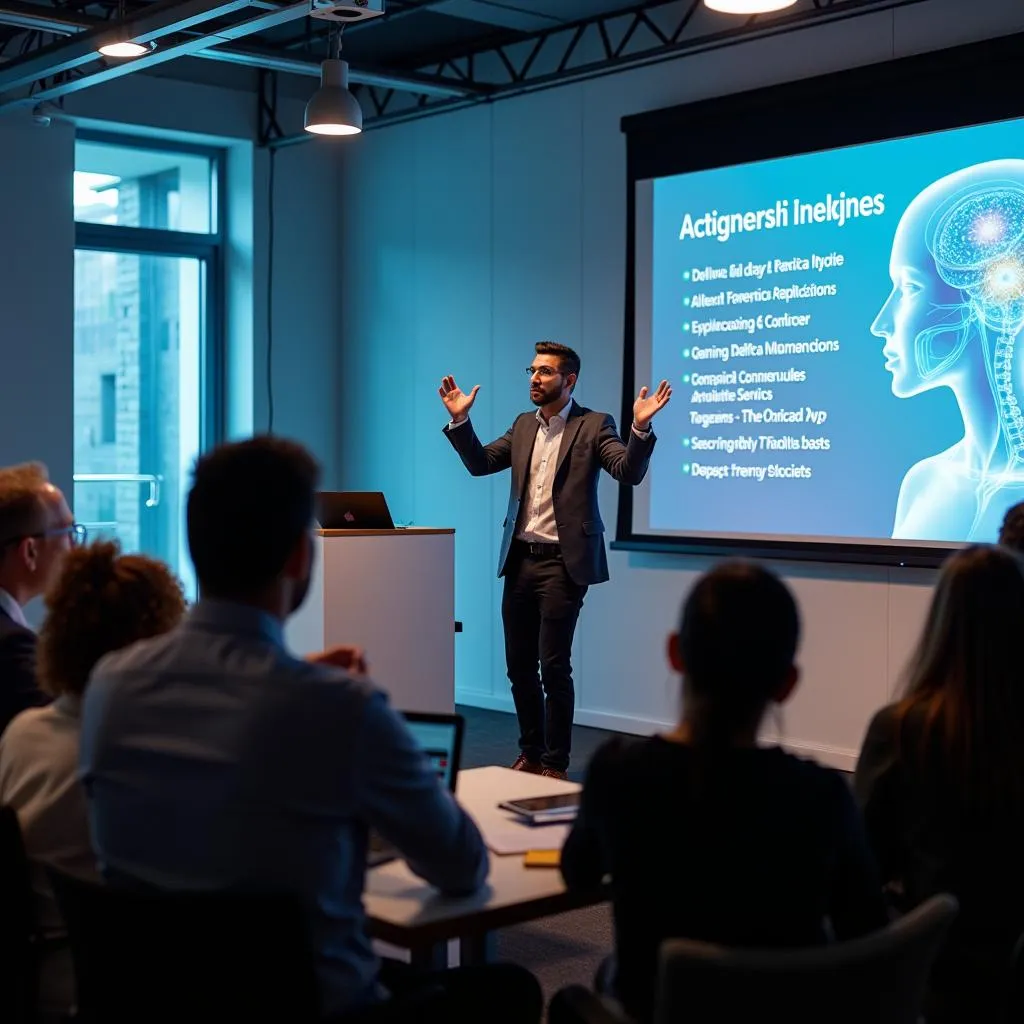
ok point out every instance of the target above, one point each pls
(539, 609)
(494, 993)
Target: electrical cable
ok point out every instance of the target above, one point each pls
(270, 291)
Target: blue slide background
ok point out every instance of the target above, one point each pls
(875, 436)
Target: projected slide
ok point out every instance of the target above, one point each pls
(841, 329)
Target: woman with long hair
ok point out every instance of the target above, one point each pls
(101, 601)
(941, 777)
(707, 834)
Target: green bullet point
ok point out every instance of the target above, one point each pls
(686, 353)
(686, 327)
(686, 467)
(686, 301)
(686, 275)
(686, 442)
(686, 378)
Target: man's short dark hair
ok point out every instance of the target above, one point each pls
(567, 358)
(22, 508)
(250, 504)
(1011, 533)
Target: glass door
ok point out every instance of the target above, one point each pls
(139, 344)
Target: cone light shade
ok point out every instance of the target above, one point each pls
(332, 109)
(747, 6)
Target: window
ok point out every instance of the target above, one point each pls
(131, 187)
(147, 338)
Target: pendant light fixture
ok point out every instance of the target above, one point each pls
(332, 109)
(747, 6)
(121, 47)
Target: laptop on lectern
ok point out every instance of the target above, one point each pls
(353, 510)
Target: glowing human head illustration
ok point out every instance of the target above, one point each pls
(957, 268)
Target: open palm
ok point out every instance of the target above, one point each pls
(647, 405)
(456, 401)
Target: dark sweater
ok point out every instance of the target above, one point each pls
(756, 848)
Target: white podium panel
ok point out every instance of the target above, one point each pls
(391, 592)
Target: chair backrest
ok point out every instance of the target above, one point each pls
(143, 954)
(18, 968)
(880, 978)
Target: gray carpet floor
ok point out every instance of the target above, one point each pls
(561, 950)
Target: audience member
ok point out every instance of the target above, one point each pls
(36, 531)
(101, 601)
(941, 778)
(706, 834)
(214, 758)
(1011, 533)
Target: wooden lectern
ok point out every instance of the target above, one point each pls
(391, 592)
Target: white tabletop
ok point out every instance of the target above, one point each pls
(404, 910)
(480, 790)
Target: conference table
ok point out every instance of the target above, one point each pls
(404, 911)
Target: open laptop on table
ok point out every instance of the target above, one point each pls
(440, 737)
(353, 510)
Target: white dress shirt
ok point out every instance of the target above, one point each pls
(12, 608)
(537, 511)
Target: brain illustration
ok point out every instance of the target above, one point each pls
(978, 246)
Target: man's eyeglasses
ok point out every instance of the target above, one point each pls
(544, 372)
(76, 531)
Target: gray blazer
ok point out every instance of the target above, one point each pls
(590, 442)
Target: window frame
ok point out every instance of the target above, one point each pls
(209, 249)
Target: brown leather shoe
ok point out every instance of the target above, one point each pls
(554, 773)
(523, 764)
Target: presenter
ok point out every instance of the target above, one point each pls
(553, 544)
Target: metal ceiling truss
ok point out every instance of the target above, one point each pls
(646, 34)
(48, 70)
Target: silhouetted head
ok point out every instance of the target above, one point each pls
(250, 523)
(965, 674)
(1011, 533)
(736, 648)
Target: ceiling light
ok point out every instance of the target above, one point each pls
(124, 48)
(747, 6)
(120, 44)
(332, 109)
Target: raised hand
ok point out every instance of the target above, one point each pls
(456, 401)
(646, 405)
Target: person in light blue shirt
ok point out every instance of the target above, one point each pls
(214, 758)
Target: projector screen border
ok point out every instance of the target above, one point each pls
(974, 84)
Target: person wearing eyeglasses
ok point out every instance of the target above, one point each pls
(36, 531)
(553, 545)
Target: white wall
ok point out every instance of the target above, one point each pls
(468, 236)
(36, 297)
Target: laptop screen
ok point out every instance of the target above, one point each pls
(440, 736)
